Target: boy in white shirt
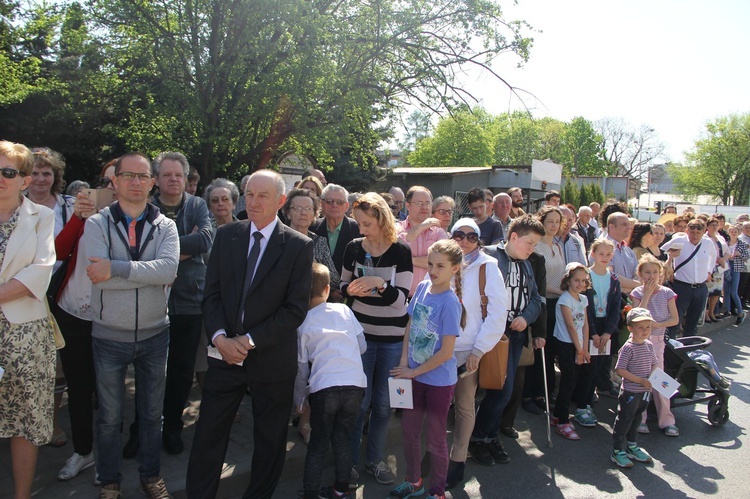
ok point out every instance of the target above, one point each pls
(330, 345)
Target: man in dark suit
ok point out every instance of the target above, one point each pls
(335, 226)
(584, 228)
(256, 295)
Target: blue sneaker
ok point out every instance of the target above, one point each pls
(621, 459)
(408, 489)
(635, 452)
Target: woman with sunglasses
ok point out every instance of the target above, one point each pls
(442, 209)
(478, 337)
(377, 275)
(27, 346)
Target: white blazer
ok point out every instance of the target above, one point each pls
(29, 257)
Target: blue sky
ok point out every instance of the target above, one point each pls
(672, 65)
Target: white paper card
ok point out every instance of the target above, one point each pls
(600, 351)
(2, 371)
(400, 393)
(663, 383)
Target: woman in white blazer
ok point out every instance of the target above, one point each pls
(27, 347)
(477, 338)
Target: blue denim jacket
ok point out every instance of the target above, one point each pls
(531, 312)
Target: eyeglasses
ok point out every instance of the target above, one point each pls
(9, 172)
(129, 176)
(365, 206)
(422, 204)
(696, 227)
(301, 209)
(393, 207)
(459, 235)
(399, 203)
(443, 212)
(104, 182)
(337, 202)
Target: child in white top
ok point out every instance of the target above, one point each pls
(332, 340)
(571, 342)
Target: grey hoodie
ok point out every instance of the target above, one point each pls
(132, 305)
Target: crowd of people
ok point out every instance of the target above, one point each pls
(315, 303)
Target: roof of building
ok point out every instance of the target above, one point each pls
(445, 170)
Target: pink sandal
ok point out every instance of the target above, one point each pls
(568, 431)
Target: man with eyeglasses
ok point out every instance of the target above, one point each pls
(501, 206)
(419, 230)
(398, 202)
(338, 229)
(190, 214)
(694, 258)
(134, 251)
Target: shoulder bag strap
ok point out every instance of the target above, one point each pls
(483, 300)
(688, 258)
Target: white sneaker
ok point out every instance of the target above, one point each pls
(75, 464)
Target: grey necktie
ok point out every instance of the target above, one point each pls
(252, 260)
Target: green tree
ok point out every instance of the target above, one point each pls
(459, 140)
(516, 138)
(719, 163)
(233, 84)
(581, 152)
(570, 193)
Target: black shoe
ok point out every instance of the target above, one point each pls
(455, 474)
(480, 451)
(131, 447)
(740, 319)
(541, 404)
(498, 453)
(173, 443)
(509, 432)
(530, 406)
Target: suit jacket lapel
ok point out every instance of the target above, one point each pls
(238, 253)
(270, 255)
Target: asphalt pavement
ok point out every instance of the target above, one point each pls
(703, 461)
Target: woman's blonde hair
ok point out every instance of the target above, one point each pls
(19, 154)
(452, 250)
(373, 205)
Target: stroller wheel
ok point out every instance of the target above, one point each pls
(718, 413)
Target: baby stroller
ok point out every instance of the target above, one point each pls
(679, 365)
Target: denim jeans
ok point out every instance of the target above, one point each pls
(111, 360)
(732, 301)
(377, 361)
(491, 409)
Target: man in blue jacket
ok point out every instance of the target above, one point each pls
(524, 305)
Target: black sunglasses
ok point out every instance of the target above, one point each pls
(9, 172)
(104, 182)
(458, 235)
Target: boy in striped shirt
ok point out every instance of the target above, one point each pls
(635, 363)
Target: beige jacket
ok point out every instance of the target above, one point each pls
(29, 257)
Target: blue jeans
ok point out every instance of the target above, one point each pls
(377, 361)
(732, 301)
(111, 360)
(491, 409)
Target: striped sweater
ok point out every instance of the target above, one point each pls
(383, 316)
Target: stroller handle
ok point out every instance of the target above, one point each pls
(690, 343)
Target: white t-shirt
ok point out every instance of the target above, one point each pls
(578, 309)
(328, 339)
